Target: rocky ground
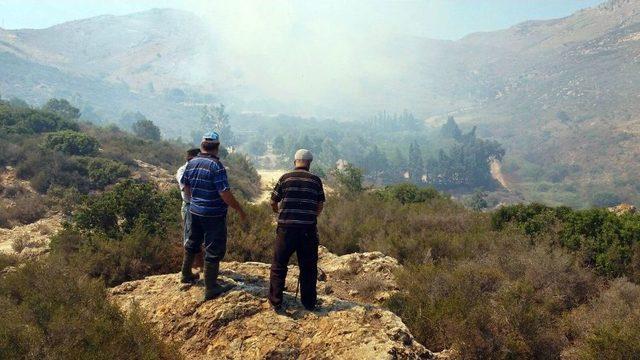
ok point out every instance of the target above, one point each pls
(32, 239)
(241, 325)
(162, 177)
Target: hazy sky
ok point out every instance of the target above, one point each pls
(443, 19)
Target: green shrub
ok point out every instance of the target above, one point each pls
(243, 177)
(128, 232)
(26, 210)
(126, 205)
(72, 143)
(146, 129)
(50, 311)
(7, 260)
(603, 239)
(503, 303)
(608, 327)
(408, 193)
(102, 172)
(46, 169)
(31, 121)
(255, 241)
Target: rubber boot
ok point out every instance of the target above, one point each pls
(211, 287)
(187, 262)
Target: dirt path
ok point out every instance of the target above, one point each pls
(268, 178)
(496, 173)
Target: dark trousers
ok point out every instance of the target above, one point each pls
(210, 231)
(304, 242)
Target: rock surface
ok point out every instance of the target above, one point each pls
(241, 325)
(34, 237)
(160, 176)
(623, 209)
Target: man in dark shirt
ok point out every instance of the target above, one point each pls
(300, 197)
(205, 184)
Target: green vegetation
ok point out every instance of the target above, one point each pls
(72, 143)
(387, 148)
(50, 311)
(146, 129)
(605, 241)
(128, 232)
(524, 281)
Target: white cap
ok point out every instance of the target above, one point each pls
(303, 154)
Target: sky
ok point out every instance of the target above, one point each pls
(439, 19)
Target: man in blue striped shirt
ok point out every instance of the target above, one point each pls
(205, 182)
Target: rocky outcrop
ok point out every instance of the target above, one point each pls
(30, 240)
(155, 174)
(623, 209)
(241, 325)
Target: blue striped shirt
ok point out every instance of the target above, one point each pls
(207, 178)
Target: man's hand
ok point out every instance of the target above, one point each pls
(230, 200)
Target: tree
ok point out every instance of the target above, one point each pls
(478, 200)
(72, 143)
(398, 163)
(349, 180)
(416, 162)
(376, 162)
(146, 129)
(450, 129)
(329, 153)
(62, 108)
(278, 145)
(129, 118)
(215, 118)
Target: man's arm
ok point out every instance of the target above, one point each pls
(187, 191)
(229, 199)
(320, 208)
(276, 196)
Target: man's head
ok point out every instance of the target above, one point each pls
(191, 153)
(210, 143)
(303, 158)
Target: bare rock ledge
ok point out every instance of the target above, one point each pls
(241, 325)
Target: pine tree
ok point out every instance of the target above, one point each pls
(416, 162)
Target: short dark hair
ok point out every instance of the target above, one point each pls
(209, 146)
(193, 152)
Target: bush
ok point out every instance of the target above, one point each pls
(51, 311)
(7, 260)
(102, 172)
(608, 327)
(503, 303)
(146, 129)
(603, 239)
(408, 193)
(72, 143)
(255, 241)
(128, 232)
(31, 121)
(46, 169)
(26, 210)
(126, 205)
